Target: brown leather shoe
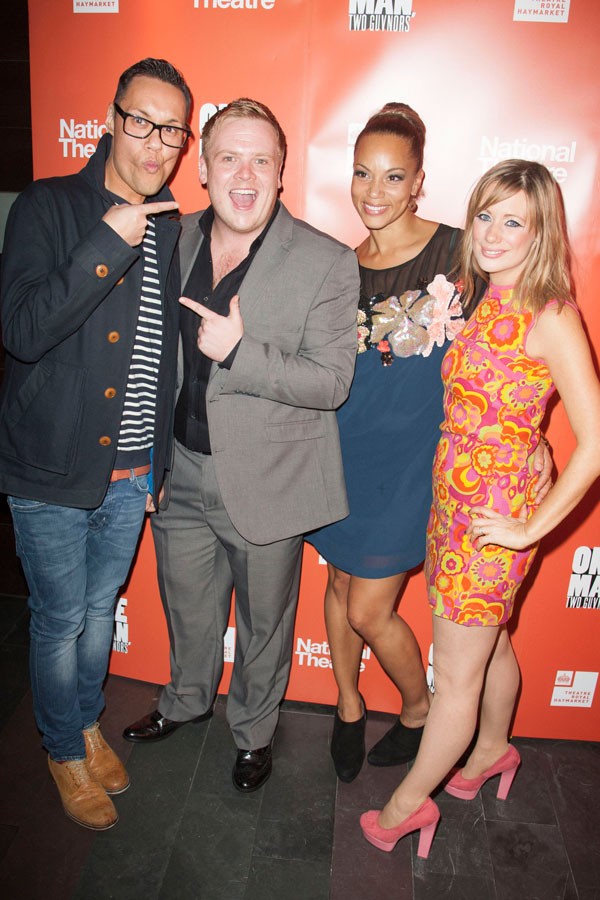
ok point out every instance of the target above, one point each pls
(103, 762)
(84, 800)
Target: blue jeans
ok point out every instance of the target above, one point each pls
(75, 561)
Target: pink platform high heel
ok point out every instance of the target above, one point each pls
(468, 788)
(425, 819)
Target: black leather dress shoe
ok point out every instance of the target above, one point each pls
(252, 768)
(155, 727)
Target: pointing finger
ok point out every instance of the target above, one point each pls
(196, 307)
(152, 209)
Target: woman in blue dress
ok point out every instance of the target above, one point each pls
(389, 427)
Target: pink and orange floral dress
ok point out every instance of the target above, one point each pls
(495, 398)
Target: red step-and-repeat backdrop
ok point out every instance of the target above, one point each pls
(513, 78)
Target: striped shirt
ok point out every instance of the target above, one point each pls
(139, 410)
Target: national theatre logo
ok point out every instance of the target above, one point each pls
(429, 674)
(380, 15)
(229, 645)
(234, 4)
(317, 655)
(541, 11)
(121, 632)
(584, 583)
(76, 138)
(95, 6)
(556, 157)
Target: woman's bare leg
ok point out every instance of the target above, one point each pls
(345, 645)
(371, 613)
(500, 689)
(461, 655)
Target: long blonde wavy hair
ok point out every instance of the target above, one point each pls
(547, 272)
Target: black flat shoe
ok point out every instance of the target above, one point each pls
(398, 745)
(155, 727)
(348, 746)
(252, 768)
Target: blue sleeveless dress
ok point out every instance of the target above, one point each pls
(389, 425)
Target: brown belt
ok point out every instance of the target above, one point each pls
(119, 474)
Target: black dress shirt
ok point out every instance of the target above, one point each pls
(191, 423)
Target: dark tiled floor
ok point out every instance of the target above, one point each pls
(186, 834)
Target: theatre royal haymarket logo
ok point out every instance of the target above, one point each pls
(95, 6)
(541, 11)
(380, 15)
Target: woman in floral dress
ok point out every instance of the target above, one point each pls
(524, 340)
(389, 427)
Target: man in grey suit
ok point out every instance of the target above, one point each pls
(269, 342)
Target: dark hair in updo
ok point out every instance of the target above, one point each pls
(402, 121)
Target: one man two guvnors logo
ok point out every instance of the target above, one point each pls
(584, 583)
(380, 15)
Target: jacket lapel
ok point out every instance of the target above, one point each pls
(269, 257)
(189, 244)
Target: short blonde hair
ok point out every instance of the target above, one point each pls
(547, 272)
(243, 108)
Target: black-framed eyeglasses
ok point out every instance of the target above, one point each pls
(138, 127)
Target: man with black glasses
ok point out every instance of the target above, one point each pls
(90, 283)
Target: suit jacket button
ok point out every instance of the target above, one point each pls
(105, 441)
(120, 281)
(113, 336)
(110, 392)
(101, 270)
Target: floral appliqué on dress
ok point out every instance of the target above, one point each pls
(410, 325)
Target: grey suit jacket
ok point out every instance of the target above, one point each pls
(271, 418)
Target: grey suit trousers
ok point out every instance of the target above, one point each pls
(201, 558)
